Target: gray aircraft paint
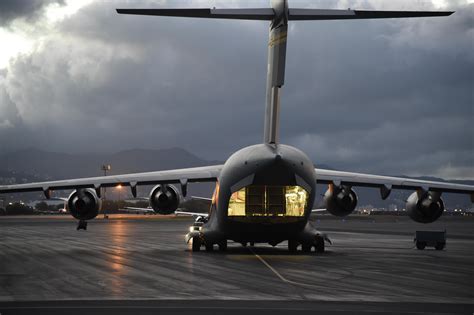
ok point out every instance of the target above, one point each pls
(276, 69)
(262, 164)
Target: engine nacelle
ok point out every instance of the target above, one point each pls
(340, 201)
(425, 209)
(83, 204)
(164, 199)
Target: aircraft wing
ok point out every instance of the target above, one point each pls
(201, 198)
(135, 209)
(194, 214)
(178, 176)
(387, 183)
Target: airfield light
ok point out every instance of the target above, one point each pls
(119, 188)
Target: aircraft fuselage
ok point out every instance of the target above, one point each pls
(264, 193)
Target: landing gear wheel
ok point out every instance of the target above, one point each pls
(292, 246)
(252, 244)
(209, 247)
(439, 246)
(306, 248)
(319, 244)
(196, 244)
(223, 246)
(420, 245)
(82, 225)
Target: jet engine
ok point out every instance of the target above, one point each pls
(164, 199)
(425, 209)
(84, 204)
(340, 201)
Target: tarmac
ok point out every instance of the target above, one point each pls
(140, 264)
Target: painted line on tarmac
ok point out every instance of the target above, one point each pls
(279, 275)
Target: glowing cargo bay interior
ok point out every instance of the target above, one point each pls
(268, 201)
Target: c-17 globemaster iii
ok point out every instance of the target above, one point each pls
(264, 193)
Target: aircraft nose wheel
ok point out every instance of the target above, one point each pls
(82, 225)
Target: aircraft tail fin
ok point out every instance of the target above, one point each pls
(318, 14)
(279, 14)
(265, 14)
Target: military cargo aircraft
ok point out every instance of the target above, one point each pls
(264, 193)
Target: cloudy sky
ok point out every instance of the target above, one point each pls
(390, 97)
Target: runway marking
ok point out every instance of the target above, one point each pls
(279, 275)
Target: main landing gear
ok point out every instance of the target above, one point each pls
(222, 246)
(198, 242)
(292, 246)
(82, 225)
(318, 245)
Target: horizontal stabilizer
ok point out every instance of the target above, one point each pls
(318, 14)
(239, 14)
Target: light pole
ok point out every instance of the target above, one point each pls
(105, 168)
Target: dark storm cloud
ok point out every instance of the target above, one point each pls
(380, 96)
(28, 9)
(390, 97)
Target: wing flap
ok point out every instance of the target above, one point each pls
(319, 14)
